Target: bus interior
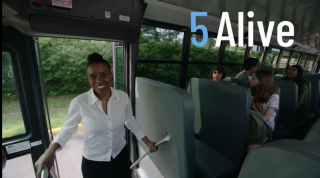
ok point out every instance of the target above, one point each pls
(166, 77)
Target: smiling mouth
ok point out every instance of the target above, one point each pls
(101, 86)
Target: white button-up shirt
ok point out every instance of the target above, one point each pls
(104, 132)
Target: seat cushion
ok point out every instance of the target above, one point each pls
(210, 163)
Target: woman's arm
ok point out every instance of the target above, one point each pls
(268, 114)
(273, 104)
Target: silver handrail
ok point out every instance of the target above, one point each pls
(44, 173)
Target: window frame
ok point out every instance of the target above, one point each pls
(21, 93)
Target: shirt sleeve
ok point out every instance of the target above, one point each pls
(303, 96)
(242, 76)
(274, 102)
(132, 124)
(69, 127)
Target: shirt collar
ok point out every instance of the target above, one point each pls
(92, 98)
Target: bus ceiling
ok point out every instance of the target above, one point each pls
(121, 20)
(100, 19)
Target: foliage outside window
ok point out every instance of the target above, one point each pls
(283, 62)
(294, 58)
(160, 44)
(166, 73)
(302, 60)
(12, 120)
(308, 66)
(234, 54)
(208, 52)
(257, 52)
(119, 57)
(271, 59)
(64, 63)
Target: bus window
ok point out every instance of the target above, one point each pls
(234, 54)
(12, 120)
(160, 44)
(283, 62)
(207, 53)
(166, 73)
(257, 52)
(302, 60)
(309, 62)
(294, 58)
(271, 59)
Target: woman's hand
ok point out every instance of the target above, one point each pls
(46, 159)
(151, 145)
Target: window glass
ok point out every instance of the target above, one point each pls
(302, 60)
(160, 44)
(234, 54)
(19, 167)
(271, 59)
(272, 56)
(294, 58)
(119, 56)
(208, 52)
(232, 70)
(166, 73)
(283, 62)
(308, 66)
(257, 51)
(12, 120)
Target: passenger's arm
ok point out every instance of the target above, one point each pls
(273, 104)
(268, 114)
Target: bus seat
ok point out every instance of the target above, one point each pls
(276, 121)
(304, 109)
(227, 79)
(283, 158)
(287, 111)
(161, 110)
(313, 136)
(210, 163)
(224, 113)
(244, 83)
(315, 98)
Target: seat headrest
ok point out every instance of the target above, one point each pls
(283, 158)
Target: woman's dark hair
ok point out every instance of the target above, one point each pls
(220, 70)
(250, 62)
(97, 58)
(266, 89)
(299, 80)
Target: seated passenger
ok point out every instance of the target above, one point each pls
(295, 74)
(265, 99)
(250, 65)
(218, 74)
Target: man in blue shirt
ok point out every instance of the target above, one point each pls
(250, 66)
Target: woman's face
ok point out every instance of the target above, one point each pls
(216, 76)
(254, 82)
(292, 72)
(100, 78)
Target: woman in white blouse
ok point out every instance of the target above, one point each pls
(103, 112)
